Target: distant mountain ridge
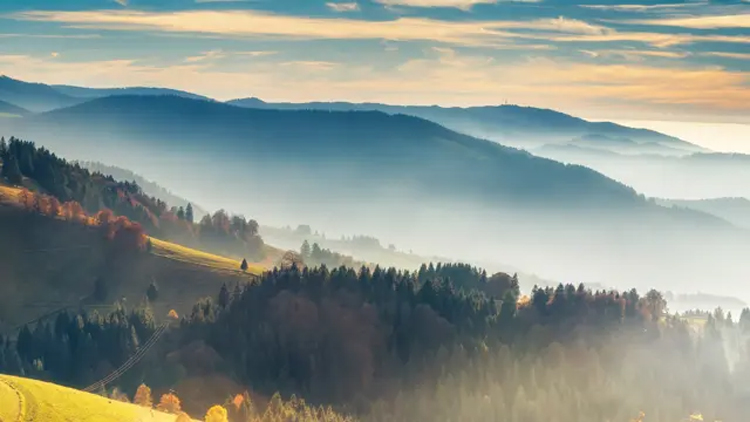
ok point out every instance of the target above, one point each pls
(508, 124)
(521, 127)
(39, 97)
(12, 110)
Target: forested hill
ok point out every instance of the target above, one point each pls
(149, 187)
(25, 165)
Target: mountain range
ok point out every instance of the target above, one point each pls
(402, 178)
(522, 127)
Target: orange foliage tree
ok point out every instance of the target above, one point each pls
(143, 396)
(169, 403)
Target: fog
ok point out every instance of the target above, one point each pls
(604, 245)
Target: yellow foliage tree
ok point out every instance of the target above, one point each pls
(169, 403)
(216, 414)
(143, 396)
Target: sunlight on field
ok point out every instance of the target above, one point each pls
(196, 257)
(47, 402)
(8, 193)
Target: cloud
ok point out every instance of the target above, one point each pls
(697, 22)
(458, 4)
(121, 2)
(343, 7)
(221, 54)
(54, 54)
(641, 7)
(739, 56)
(255, 24)
(636, 55)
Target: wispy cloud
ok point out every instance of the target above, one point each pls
(253, 23)
(642, 7)
(636, 55)
(121, 2)
(458, 4)
(727, 55)
(698, 22)
(343, 7)
(221, 54)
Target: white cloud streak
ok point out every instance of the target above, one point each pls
(343, 7)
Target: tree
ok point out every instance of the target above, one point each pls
(216, 414)
(243, 265)
(149, 245)
(143, 396)
(181, 213)
(169, 403)
(223, 296)
(189, 217)
(305, 250)
(11, 171)
(152, 292)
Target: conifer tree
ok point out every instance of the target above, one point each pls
(244, 265)
(189, 217)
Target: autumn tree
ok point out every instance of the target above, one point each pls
(143, 396)
(169, 403)
(216, 414)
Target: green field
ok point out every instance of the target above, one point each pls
(25, 400)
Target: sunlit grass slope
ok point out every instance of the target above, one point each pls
(195, 257)
(39, 401)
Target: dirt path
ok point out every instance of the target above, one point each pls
(11, 403)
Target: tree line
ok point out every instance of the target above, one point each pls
(389, 345)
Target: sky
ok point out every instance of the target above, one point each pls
(644, 61)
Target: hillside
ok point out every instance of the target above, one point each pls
(35, 97)
(49, 264)
(10, 110)
(692, 176)
(522, 127)
(27, 400)
(734, 210)
(40, 170)
(149, 187)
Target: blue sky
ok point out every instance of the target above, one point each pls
(653, 60)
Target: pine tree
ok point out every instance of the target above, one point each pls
(224, 296)
(11, 170)
(189, 213)
(152, 292)
(244, 265)
(305, 250)
(181, 213)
